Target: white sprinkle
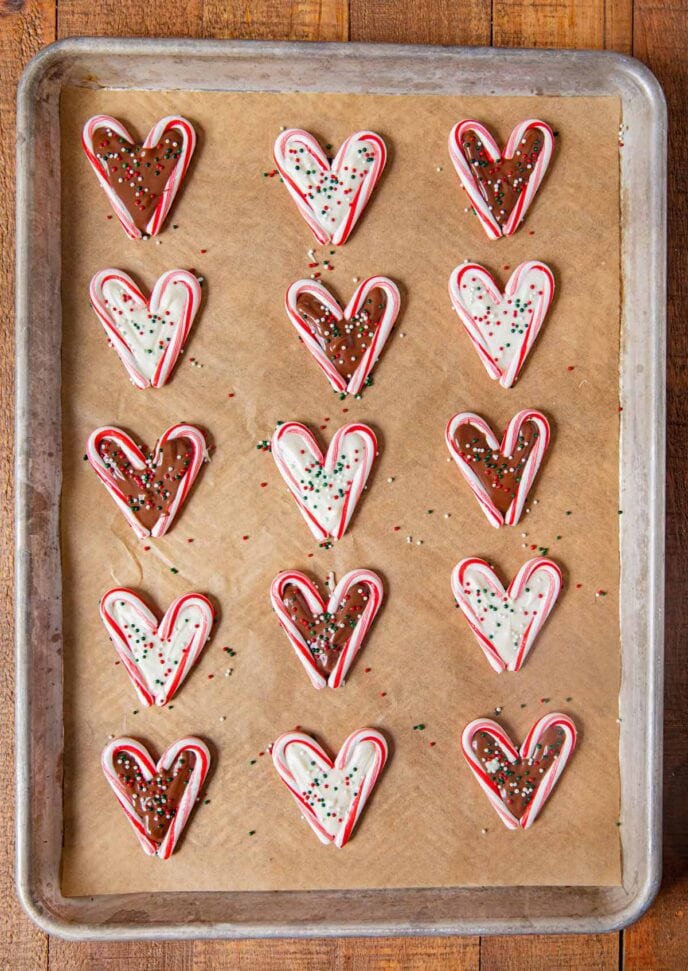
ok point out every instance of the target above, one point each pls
(390, 479)
(223, 718)
(355, 279)
(419, 542)
(409, 539)
(483, 831)
(447, 515)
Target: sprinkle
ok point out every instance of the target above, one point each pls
(498, 710)
(544, 701)
(396, 528)
(433, 744)
(245, 537)
(223, 718)
(383, 694)
(251, 832)
(173, 569)
(206, 802)
(367, 670)
(600, 593)
(390, 479)
(419, 728)
(570, 367)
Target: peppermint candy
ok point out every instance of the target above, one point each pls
(157, 797)
(502, 326)
(326, 488)
(507, 622)
(140, 181)
(326, 634)
(330, 196)
(518, 782)
(501, 187)
(148, 333)
(345, 343)
(157, 654)
(331, 795)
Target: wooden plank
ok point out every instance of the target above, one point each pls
(410, 22)
(660, 940)
(553, 953)
(557, 23)
(24, 29)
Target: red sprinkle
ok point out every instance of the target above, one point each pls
(210, 677)
(245, 537)
(397, 528)
(146, 548)
(433, 744)
(189, 540)
(204, 251)
(578, 586)
(231, 394)
(570, 367)
(263, 484)
(367, 670)
(383, 694)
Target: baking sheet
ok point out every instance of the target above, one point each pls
(420, 651)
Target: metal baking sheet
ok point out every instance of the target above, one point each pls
(253, 66)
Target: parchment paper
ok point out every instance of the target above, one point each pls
(428, 823)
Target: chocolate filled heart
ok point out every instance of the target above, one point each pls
(141, 179)
(501, 474)
(344, 341)
(326, 633)
(155, 801)
(148, 486)
(502, 181)
(138, 175)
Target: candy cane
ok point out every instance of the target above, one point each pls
(116, 298)
(135, 456)
(300, 762)
(314, 183)
(171, 648)
(506, 448)
(292, 440)
(470, 183)
(369, 358)
(506, 623)
(153, 137)
(487, 313)
(138, 752)
(528, 750)
(317, 605)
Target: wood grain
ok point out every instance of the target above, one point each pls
(24, 29)
(411, 22)
(656, 34)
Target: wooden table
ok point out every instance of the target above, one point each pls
(656, 33)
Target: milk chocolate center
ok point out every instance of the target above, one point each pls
(499, 473)
(518, 781)
(138, 175)
(327, 634)
(502, 182)
(155, 802)
(344, 341)
(150, 491)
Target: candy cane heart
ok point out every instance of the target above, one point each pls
(148, 333)
(331, 795)
(519, 782)
(331, 196)
(149, 487)
(500, 187)
(326, 634)
(140, 181)
(506, 623)
(345, 344)
(500, 474)
(157, 654)
(157, 797)
(326, 488)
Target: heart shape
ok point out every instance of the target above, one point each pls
(140, 180)
(502, 326)
(326, 489)
(331, 795)
(500, 475)
(148, 334)
(156, 797)
(519, 783)
(506, 622)
(345, 344)
(148, 487)
(326, 635)
(501, 187)
(157, 654)
(330, 196)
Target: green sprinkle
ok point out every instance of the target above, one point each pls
(173, 569)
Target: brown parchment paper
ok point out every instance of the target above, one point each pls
(428, 823)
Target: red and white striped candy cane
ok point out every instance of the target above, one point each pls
(156, 683)
(300, 183)
(292, 438)
(149, 769)
(470, 183)
(533, 278)
(317, 605)
(509, 442)
(365, 749)
(157, 132)
(474, 572)
(528, 750)
(316, 289)
(135, 456)
(182, 281)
